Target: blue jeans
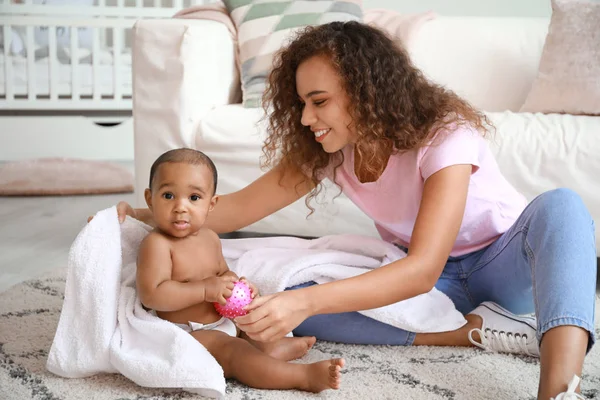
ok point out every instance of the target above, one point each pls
(545, 263)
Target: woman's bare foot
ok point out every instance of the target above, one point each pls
(285, 349)
(324, 375)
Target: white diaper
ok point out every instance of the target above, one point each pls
(224, 325)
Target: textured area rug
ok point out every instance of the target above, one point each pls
(63, 176)
(29, 315)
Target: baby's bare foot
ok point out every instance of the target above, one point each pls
(287, 349)
(324, 375)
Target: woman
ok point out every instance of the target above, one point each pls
(347, 104)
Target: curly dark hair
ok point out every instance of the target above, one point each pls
(393, 106)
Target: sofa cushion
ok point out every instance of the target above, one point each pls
(568, 80)
(233, 136)
(539, 152)
(536, 153)
(264, 26)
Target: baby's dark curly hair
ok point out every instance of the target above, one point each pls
(393, 106)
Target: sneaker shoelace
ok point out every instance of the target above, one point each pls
(500, 341)
(570, 393)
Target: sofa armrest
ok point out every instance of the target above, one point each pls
(181, 69)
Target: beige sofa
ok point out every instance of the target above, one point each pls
(186, 91)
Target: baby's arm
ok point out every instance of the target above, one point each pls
(159, 292)
(223, 267)
(225, 271)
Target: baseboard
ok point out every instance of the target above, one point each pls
(28, 137)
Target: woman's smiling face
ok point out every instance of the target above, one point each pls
(325, 104)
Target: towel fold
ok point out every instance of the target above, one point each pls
(273, 264)
(104, 328)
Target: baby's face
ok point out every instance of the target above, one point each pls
(181, 198)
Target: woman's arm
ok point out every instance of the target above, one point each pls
(436, 228)
(142, 214)
(237, 210)
(256, 201)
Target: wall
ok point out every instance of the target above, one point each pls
(504, 8)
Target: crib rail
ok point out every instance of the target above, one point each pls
(117, 11)
(56, 95)
(99, 8)
(67, 75)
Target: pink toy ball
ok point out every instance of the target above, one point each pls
(241, 296)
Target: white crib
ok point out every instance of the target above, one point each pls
(66, 64)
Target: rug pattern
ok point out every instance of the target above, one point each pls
(29, 315)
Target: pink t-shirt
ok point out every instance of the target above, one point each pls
(393, 200)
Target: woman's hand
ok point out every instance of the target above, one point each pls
(274, 316)
(123, 210)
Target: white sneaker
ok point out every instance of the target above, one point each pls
(503, 331)
(570, 393)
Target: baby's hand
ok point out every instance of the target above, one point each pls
(123, 210)
(230, 273)
(253, 289)
(218, 288)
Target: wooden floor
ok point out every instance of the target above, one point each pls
(36, 232)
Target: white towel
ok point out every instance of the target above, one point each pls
(104, 328)
(279, 262)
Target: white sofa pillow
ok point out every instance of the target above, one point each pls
(536, 153)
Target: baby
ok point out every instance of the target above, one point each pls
(181, 272)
